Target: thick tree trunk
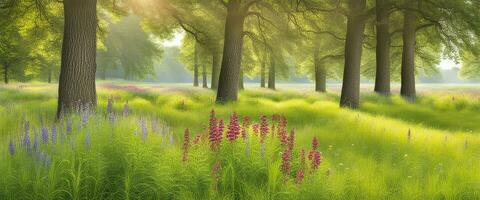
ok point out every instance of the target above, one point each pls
(78, 66)
(5, 74)
(262, 75)
(353, 53)
(320, 72)
(382, 78)
(271, 75)
(215, 70)
(241, 86)
(232, 53)
(408, 55)
(195, 66)
(204, 76)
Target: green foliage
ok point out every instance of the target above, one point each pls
(366, 153)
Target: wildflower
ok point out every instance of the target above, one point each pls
(85, 117)
(245, 126)
(212, 129)
(282, 128)
(263, 128)
(26, 140)
(302, 158)
(109, 105)
(291, 139)
(221, 126)
(300, 176)
(186, 144)
(54, 134)
(196, 139)
(256, 128)
(316, 159)
(11, 148)
(44, 135)
(315, 144)
(26, 127)
(125, 109)
(233, 128)
(286, 162)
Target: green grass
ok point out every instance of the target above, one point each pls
(367, 152)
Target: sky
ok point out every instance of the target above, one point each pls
(177, 41)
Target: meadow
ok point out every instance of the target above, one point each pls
(167, 142)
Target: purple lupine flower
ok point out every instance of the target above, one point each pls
(44, 135)
(11, 148)
(54, 134)
(85, 117)
(26, 140)
(111, 117)
(125, 110)
(69, 126)
(26, 127)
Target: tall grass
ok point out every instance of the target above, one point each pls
(389, 149)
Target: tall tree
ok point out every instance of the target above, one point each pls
(382, 77)
(350, 96)
(408, 56)
(78, 65)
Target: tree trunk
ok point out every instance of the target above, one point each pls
(5, 74)
(271, 75)
(408, 55)
(195, 66)
(320, 75)
(241, 86)
(382, 78)
(262, 75)
(215, 70)
(353, 54)
(232, 53)
(49, 78)
(78, 66)
(204, 76)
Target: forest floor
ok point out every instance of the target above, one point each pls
(387, 149)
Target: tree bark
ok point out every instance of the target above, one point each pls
(353, 53)
(408, 55)
(320, 74)
(215, 70)
(78, 65)
(232, 53)
(241, 86)
(204, 76)
(382, 78)
(5, 74)
(262, 75)
(271, 75)
(195, 66)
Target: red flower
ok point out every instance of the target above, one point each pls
(263, 128)
(196, 139)
(233, 128)
(186, 144)
(316, 158)
(302, 158)
(212, 130)
(291, 140)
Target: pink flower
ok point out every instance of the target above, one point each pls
(286, 162)
(300, 176)
(315, 143)
(302, 158)
(291, 139)
(256, 128)
(316, 158)
(214, 135)
(233, 128)
(196, 139)
(186, 144)
(245, 126)
(263, 128)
